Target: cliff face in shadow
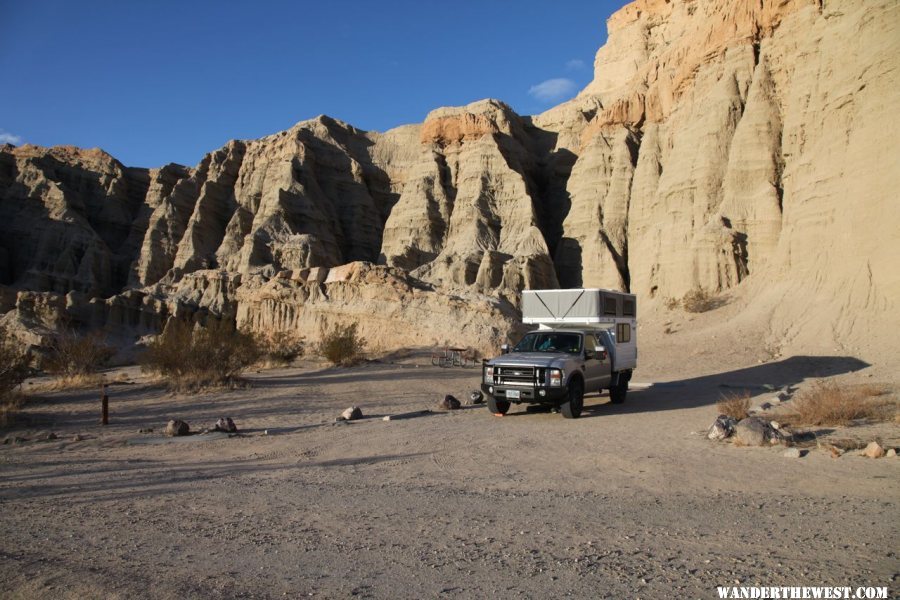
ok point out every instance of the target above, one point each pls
(742, 147)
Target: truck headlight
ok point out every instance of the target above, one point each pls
(489, 374)
(556, 377)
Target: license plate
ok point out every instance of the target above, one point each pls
(513, 394)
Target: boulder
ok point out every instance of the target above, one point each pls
(450, 403)
(225, 424)
(176, 427)
(351, 414)
(792, 453)
(754, 431)
(722, 428)
(873, 450)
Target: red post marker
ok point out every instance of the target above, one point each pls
(104, 406)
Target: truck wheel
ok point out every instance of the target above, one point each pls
(571, 408)
(617, 394)
(497, 407)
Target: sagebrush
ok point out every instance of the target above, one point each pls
(75, 355)
(192, 358)
(13, 370)
(698, 300)
(342, 344)
(828, 403)
(735, 405)
(280, 347)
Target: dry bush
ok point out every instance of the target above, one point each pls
(735, 405)
(13, 370)
(76, 358)
(827, 403)
(671, 303)
(341, 345)
(208, 356)
(698, 300)
(280, 347)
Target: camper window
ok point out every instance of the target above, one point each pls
(623, 333)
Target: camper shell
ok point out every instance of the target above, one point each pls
(584, 340)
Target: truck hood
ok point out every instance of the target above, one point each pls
(531, 359)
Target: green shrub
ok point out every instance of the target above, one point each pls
(341, 345)
(192, 358)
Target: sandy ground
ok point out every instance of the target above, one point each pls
(628, 501)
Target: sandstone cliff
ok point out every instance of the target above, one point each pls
(745, 147)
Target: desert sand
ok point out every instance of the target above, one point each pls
(628, 501)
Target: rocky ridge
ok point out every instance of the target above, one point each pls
(748, 148)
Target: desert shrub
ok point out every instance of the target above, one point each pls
(280, 347)
(192, 358)
(735, 405)
(827, 403)
(341, 345)
(76, 358)
(13, 370)
(698, 300)
(671, 303)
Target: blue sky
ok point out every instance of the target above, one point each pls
(159, 82)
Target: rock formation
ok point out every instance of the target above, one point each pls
(733, 145)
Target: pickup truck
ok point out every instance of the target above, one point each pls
(586, 341)
(555, 367)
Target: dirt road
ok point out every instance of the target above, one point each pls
(627, 501)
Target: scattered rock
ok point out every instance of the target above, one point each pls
(754, 431)
(765, 406)
(77, 437)
(449, 403)
(225, 424)
(891, 453)
(176, 427)
(775, 424)
(722, 428)
(351, 414)
(831, 449)
(145, 430)
(476, 397)
(792, 453)
(873, 450)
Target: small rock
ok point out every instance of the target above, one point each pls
(225, 424)
(476, 397)
(775, 400)
(782, 396)
(891, 453)
(145, 430)
(831, 449)
(792, 453)
(775, 424)
(176, 427)
(722, 428)
(77, 437)
(765, 406)
(351, 414)
(449, 403)
(873, 450)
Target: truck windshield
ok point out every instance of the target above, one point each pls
(550, 342)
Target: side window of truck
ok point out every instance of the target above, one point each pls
(623, 333)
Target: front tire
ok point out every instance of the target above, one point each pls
(497, 407)
(571, 408)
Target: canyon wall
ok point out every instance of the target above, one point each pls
(748, 148)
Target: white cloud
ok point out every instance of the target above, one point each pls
(8, 138)
(576, 64)
(552, 90)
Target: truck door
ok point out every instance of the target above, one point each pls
(597, 370)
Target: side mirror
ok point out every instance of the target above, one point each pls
(504, 349)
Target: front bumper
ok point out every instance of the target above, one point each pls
(527, 395)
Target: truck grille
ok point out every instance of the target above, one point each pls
(515, 375)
